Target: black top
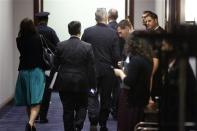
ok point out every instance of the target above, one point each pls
(30, 48)
(157, 78)
(104, 41)
(138, 79)
(76, 61)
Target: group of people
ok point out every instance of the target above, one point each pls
(111, 69)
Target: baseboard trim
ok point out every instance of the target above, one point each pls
(7, 101)
(5, 106)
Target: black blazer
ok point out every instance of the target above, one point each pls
(104, 41)
(30, 48)
(138, 79)
(76, 65)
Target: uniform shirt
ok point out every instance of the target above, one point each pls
(49, 34)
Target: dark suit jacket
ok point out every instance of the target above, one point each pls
(160, 30)
(76, 65)
(113, 25)
(138, 79)
(104, 41)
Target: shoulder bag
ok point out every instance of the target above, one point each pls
(48, 55)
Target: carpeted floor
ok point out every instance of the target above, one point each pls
(14, 118)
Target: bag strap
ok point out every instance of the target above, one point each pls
(44, 44)
(43, 40)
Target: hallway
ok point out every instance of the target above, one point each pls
(14, 118)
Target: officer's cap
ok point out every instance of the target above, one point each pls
(42, 14)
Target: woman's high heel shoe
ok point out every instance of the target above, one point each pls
(33, 128)
(28, 127)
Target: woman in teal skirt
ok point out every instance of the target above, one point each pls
(31, 79)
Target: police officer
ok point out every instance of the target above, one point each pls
(50, 35)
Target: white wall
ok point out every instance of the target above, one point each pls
(6, 50)
(157, 6)
(11, 13)
(160, 11)
(190, 10)
(64, 11)
(139, 7)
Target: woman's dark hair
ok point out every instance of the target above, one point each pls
(139, 46)
(74, 28)
(27, 27)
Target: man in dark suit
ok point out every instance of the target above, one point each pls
(152, 23)
(112, 17)
(50, 35)
(112, 23)
(124, 28)
(75, 61)
(104, 41)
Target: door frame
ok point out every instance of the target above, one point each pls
(38, 6)
(129, 10)
(172, 14)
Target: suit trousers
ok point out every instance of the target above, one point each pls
(93, 109)
(74, 109)
(114, 98)
(105, 85)
(46, 100)
(46, 97)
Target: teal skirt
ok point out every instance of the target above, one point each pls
(30, 87)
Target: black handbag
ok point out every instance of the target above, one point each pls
(48, 55)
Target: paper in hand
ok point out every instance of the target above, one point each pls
(53, 80)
